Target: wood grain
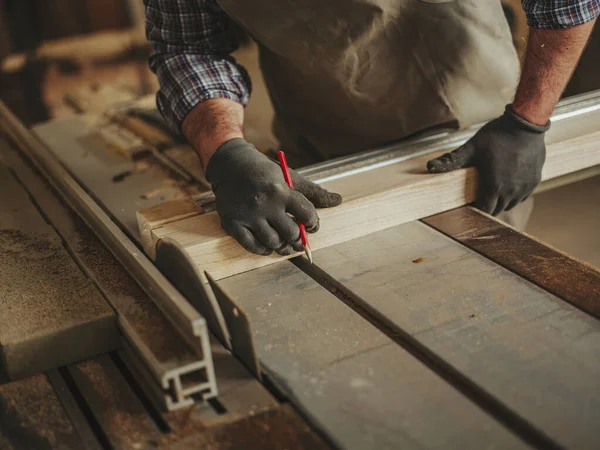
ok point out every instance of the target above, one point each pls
(373, 201)
(348, 377)
(557, 272)
(162, 214)
(533, 352)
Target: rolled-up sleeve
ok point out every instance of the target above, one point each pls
(557, 14)
(192, 43)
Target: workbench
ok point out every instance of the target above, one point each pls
(453, 331)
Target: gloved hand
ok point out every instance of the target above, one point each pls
(253, 199)
(509, 153)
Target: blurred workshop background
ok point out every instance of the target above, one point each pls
(64, 57)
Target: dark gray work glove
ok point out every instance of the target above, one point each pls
(509, 154)
(253, 199)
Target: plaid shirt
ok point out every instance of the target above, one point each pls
(192, 44)
(555, 14)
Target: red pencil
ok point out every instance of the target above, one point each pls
(288, 179)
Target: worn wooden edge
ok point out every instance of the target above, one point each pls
(414, 195)
(555, 271)
(159, 215)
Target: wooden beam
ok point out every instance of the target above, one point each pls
(373, 201)
(50, 313)
(163, 214)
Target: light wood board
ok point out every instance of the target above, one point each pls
(534, 352)
(373, 201)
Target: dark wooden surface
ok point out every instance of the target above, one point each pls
(278, 428)
(532, 352)
(31, 417)
(122, 418)
(557, 272)
(348, 377)
(125, 422)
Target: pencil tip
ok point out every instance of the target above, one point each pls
(308, 253)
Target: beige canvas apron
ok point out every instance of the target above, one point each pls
(349, 75)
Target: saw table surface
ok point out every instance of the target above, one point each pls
(403, 339)
(451, 332)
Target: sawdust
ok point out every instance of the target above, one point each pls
(118, 409)
(41, 288)
(127, 296)
(32, 417)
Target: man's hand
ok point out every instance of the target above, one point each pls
(509, 154)
(255, 203)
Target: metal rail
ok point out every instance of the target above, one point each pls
(185, 319)
(567, 110)
(570, 108)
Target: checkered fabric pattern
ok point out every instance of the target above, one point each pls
(556, 14)
(192, 44)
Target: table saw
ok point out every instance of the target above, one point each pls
(453, 330)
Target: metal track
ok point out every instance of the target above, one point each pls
(566, 111)
(185, 319)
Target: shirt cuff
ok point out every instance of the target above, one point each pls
(187, 80)
(549, 16)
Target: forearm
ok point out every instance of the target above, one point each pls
(551, 57)
(192, 45)
(212, 123)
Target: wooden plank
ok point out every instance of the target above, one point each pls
(373, 201)
(557, 272)
(162, 214)
(31, 417)
(535, 353)
(50, 314)
(348, 377)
